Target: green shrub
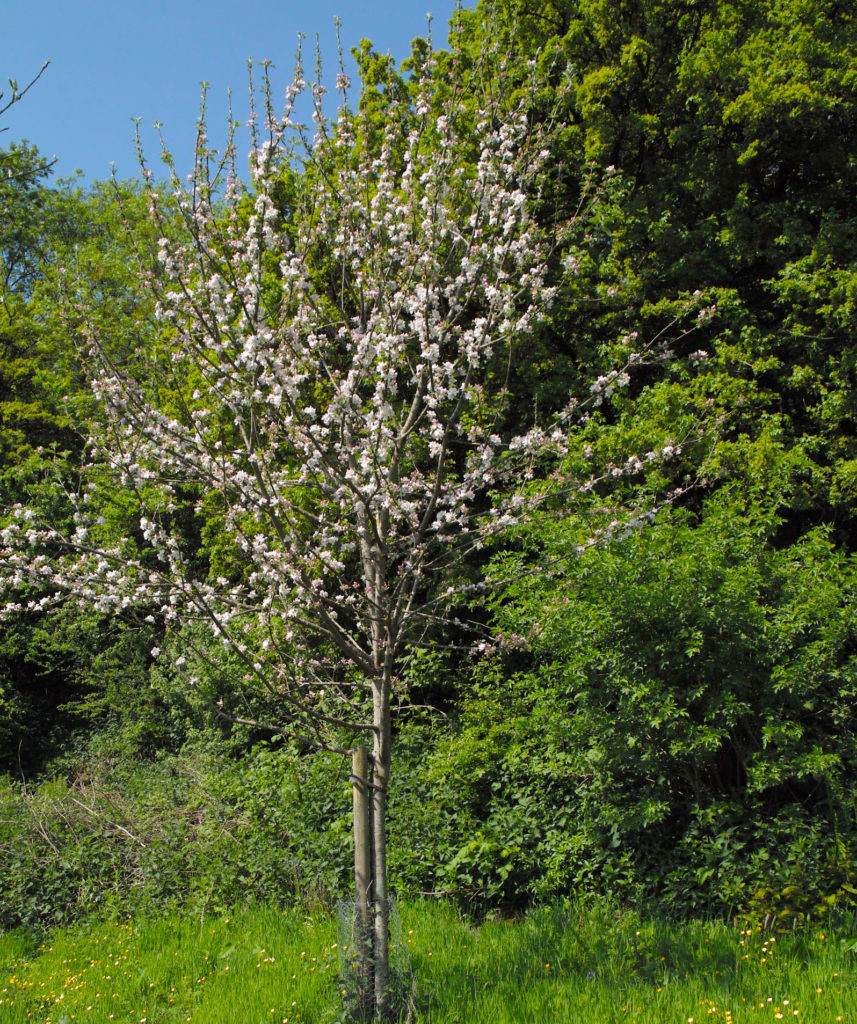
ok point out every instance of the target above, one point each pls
(197, 828)
(684, 730)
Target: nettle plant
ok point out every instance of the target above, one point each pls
(321, 395)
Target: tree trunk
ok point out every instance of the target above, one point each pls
(363, 924)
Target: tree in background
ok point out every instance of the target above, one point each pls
(51, 234)
(724, 635)
(731, 128)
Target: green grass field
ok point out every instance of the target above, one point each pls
(592, 966)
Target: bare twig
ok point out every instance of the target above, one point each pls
(18, 94)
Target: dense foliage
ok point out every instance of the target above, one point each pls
(667, 717)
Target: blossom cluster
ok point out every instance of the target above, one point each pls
(319, 390)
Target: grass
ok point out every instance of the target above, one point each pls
(593, 966)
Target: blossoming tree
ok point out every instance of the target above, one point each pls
(321, 390)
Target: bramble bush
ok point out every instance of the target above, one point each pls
(684, 730)
(199, 828)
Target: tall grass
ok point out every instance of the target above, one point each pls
(589, 966)
(595, 967)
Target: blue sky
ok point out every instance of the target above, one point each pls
(114, 60)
